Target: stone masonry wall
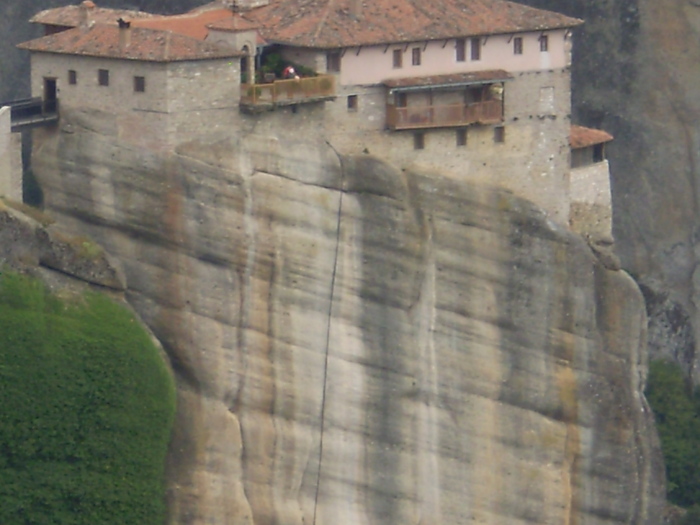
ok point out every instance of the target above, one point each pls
(536, 137)
(10, 159)
(203, 98)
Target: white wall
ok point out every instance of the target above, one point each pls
(374, 64)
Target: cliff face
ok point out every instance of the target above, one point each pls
(635, 74)
(357, 345)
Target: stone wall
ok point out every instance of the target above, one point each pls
(591, 210)
(10, 158)
(203, 97)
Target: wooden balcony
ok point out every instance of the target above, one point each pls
(258, 97)
(444, 116)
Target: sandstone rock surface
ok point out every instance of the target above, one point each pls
(358, 345)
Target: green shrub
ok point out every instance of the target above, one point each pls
(88, 405)
(677, 413)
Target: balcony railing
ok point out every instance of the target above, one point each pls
(29, 112)
(286, 92)
(447, 115)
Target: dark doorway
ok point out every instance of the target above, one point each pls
(50, 95)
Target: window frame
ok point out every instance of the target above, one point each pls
(397, 58)
(333, 62)
(544, 43)
(518, 45)
(72, 77)
(352, 103)
(139, 84)
(103, 77)
(419, 140)
(416, 56)
(461, 50)
(499, 134)
(461, 138)
(475, 49)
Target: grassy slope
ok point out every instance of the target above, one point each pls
(87, 409)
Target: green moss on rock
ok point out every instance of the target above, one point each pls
(88, 406)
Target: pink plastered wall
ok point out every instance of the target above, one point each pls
(374, 64)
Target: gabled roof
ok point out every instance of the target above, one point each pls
(349, 23)
(71, 15)
(234, 24)
(107, 41)
(582, 137)
(193, 24)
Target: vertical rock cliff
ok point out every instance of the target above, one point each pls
(359, 345)
(635, 74)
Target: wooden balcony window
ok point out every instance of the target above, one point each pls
(286, 92)
(444, 115)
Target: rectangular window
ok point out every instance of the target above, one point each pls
(415, 55)
(544, 43)
(398, 58)
(401, 100)
(352, 102)
(461, 137)
(419, 141)
(461, 50)
(72, 77)
(499, 134)
(139, 84)
(518, 45)
(333, 62)
(476, 48)
(103, 77)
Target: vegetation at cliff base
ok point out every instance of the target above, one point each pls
(87, 409)
(677, 412)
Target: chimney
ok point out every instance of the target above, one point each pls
(124, 33)
(86, 9)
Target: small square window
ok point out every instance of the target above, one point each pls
(499, 134)
(544, 43)
(415, 55)
(461, 137)
(352, 102)
(398, 58)
(518, 45)
(419, 141)
(333, 62)
(139, 84)
(72, 77)
(460, 50)
(476, 48)
(103, 77)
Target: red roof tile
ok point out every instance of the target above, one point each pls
(583, 137)
(436, 81)
(193, 24)
(338, 23)
(234, 24)
(71, 16)
(143, 44)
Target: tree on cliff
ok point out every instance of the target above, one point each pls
(677, 412)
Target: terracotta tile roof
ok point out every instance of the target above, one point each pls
(71, 16)
(336, 23)
(234, 24)
(193, 24)
(144, 44)
(581, 137)
(437, 81)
